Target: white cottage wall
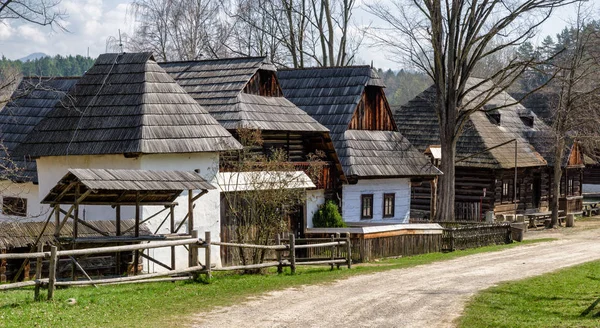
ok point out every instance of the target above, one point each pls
(29, 191)
(351, 199)
(314, 199)
(206, 213)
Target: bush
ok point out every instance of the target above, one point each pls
(328, 216)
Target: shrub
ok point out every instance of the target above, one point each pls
(328, 216)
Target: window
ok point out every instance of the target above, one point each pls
(507, 188)
(388, 205)
(366, 205)
(505, 185)
(14, 206)
(570, 187)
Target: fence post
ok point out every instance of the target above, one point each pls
(348, 250)
(207, 255)
(52, 271)
(338, 248)
(194, 250)
(38, 272)
(332, 252)
(280, 266)
(292, 253)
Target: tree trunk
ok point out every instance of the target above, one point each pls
(557, 175)
(446, 186)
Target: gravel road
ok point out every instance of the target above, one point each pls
(430, 295)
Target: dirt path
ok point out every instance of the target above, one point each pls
(430, 295)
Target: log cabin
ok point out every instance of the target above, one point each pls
(379, 164)
(244, 93)
(126, 112)
(485, 178)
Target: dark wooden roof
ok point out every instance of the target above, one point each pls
(218, 85)
(127, 104)
(31, 102)
(331, 96)
(24, 234)
(418, 122)
(121, 186)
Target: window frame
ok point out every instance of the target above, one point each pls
(391, 196)
(11, 209)
(363, 197)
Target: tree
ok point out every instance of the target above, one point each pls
(574, 96)
(260, 190)
(447, 40)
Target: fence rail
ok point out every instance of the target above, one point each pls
(195, 243)
(472, 236)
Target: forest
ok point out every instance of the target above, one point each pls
(49, 66)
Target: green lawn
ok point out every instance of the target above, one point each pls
(566, 298)
(169, 304)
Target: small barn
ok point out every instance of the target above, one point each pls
(126, 112)
(378, 163)
(502, 156)
(30, 103)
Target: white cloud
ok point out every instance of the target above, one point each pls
(6, 31)
(32, 34)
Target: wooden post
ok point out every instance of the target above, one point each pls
(118, 233)
(292, 253)
(194, 250)
(190, 211)
(172, 221)
(207, 255)
(3, 264)
(280, 266)
(338, 250)
(348, 250)
(52, 271)
(57, 221)
(332, 252)
(75, 214)
(433, 204)
(38, 272)
(136, 253)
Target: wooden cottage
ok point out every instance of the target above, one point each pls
(244, 93)
(377, 161)
(495, 141)
(126, 112)
(31, 102)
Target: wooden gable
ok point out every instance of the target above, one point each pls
(264, 83)
(575, 156)
(373, 112)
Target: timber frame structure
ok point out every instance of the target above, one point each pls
(117, 188)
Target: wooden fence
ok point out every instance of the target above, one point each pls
(286, 257)
(475, 235)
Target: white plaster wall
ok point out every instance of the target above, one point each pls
(314, 199)
(28, 190)
(351, 209)
(52, 168)
(206, 213)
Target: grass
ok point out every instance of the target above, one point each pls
(566, 298)
(165, 304)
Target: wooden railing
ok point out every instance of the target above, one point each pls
(475, 235)
(289, 259)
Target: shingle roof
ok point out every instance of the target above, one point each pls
(218, 86)
(31, 102)
(331, 96)
(126, 103)
(418, 122)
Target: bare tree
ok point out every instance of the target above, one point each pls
(447, 40)
(44, 13)
(574, 97)
(179, 29)
(307, 32)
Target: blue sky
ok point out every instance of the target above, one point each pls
(91, 22)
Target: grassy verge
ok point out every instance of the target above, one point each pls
(160, 304)
(566, 298)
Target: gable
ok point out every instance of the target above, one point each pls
(575, 156)
(372, 112)
(263, 83)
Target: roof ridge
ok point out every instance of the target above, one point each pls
(207, 60)
(322, 67)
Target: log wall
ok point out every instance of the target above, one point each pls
(373, 112)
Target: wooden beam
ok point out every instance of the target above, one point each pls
(136, 231)
(64, 192)
(86, 224)
(190, 211)
(202, 193)
(148, 257)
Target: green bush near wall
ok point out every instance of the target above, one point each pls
(328, 216)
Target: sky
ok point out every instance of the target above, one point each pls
(91, 22)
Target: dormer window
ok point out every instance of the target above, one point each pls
(527, 120)
(494, 118)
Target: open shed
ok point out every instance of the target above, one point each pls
(117, 188)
